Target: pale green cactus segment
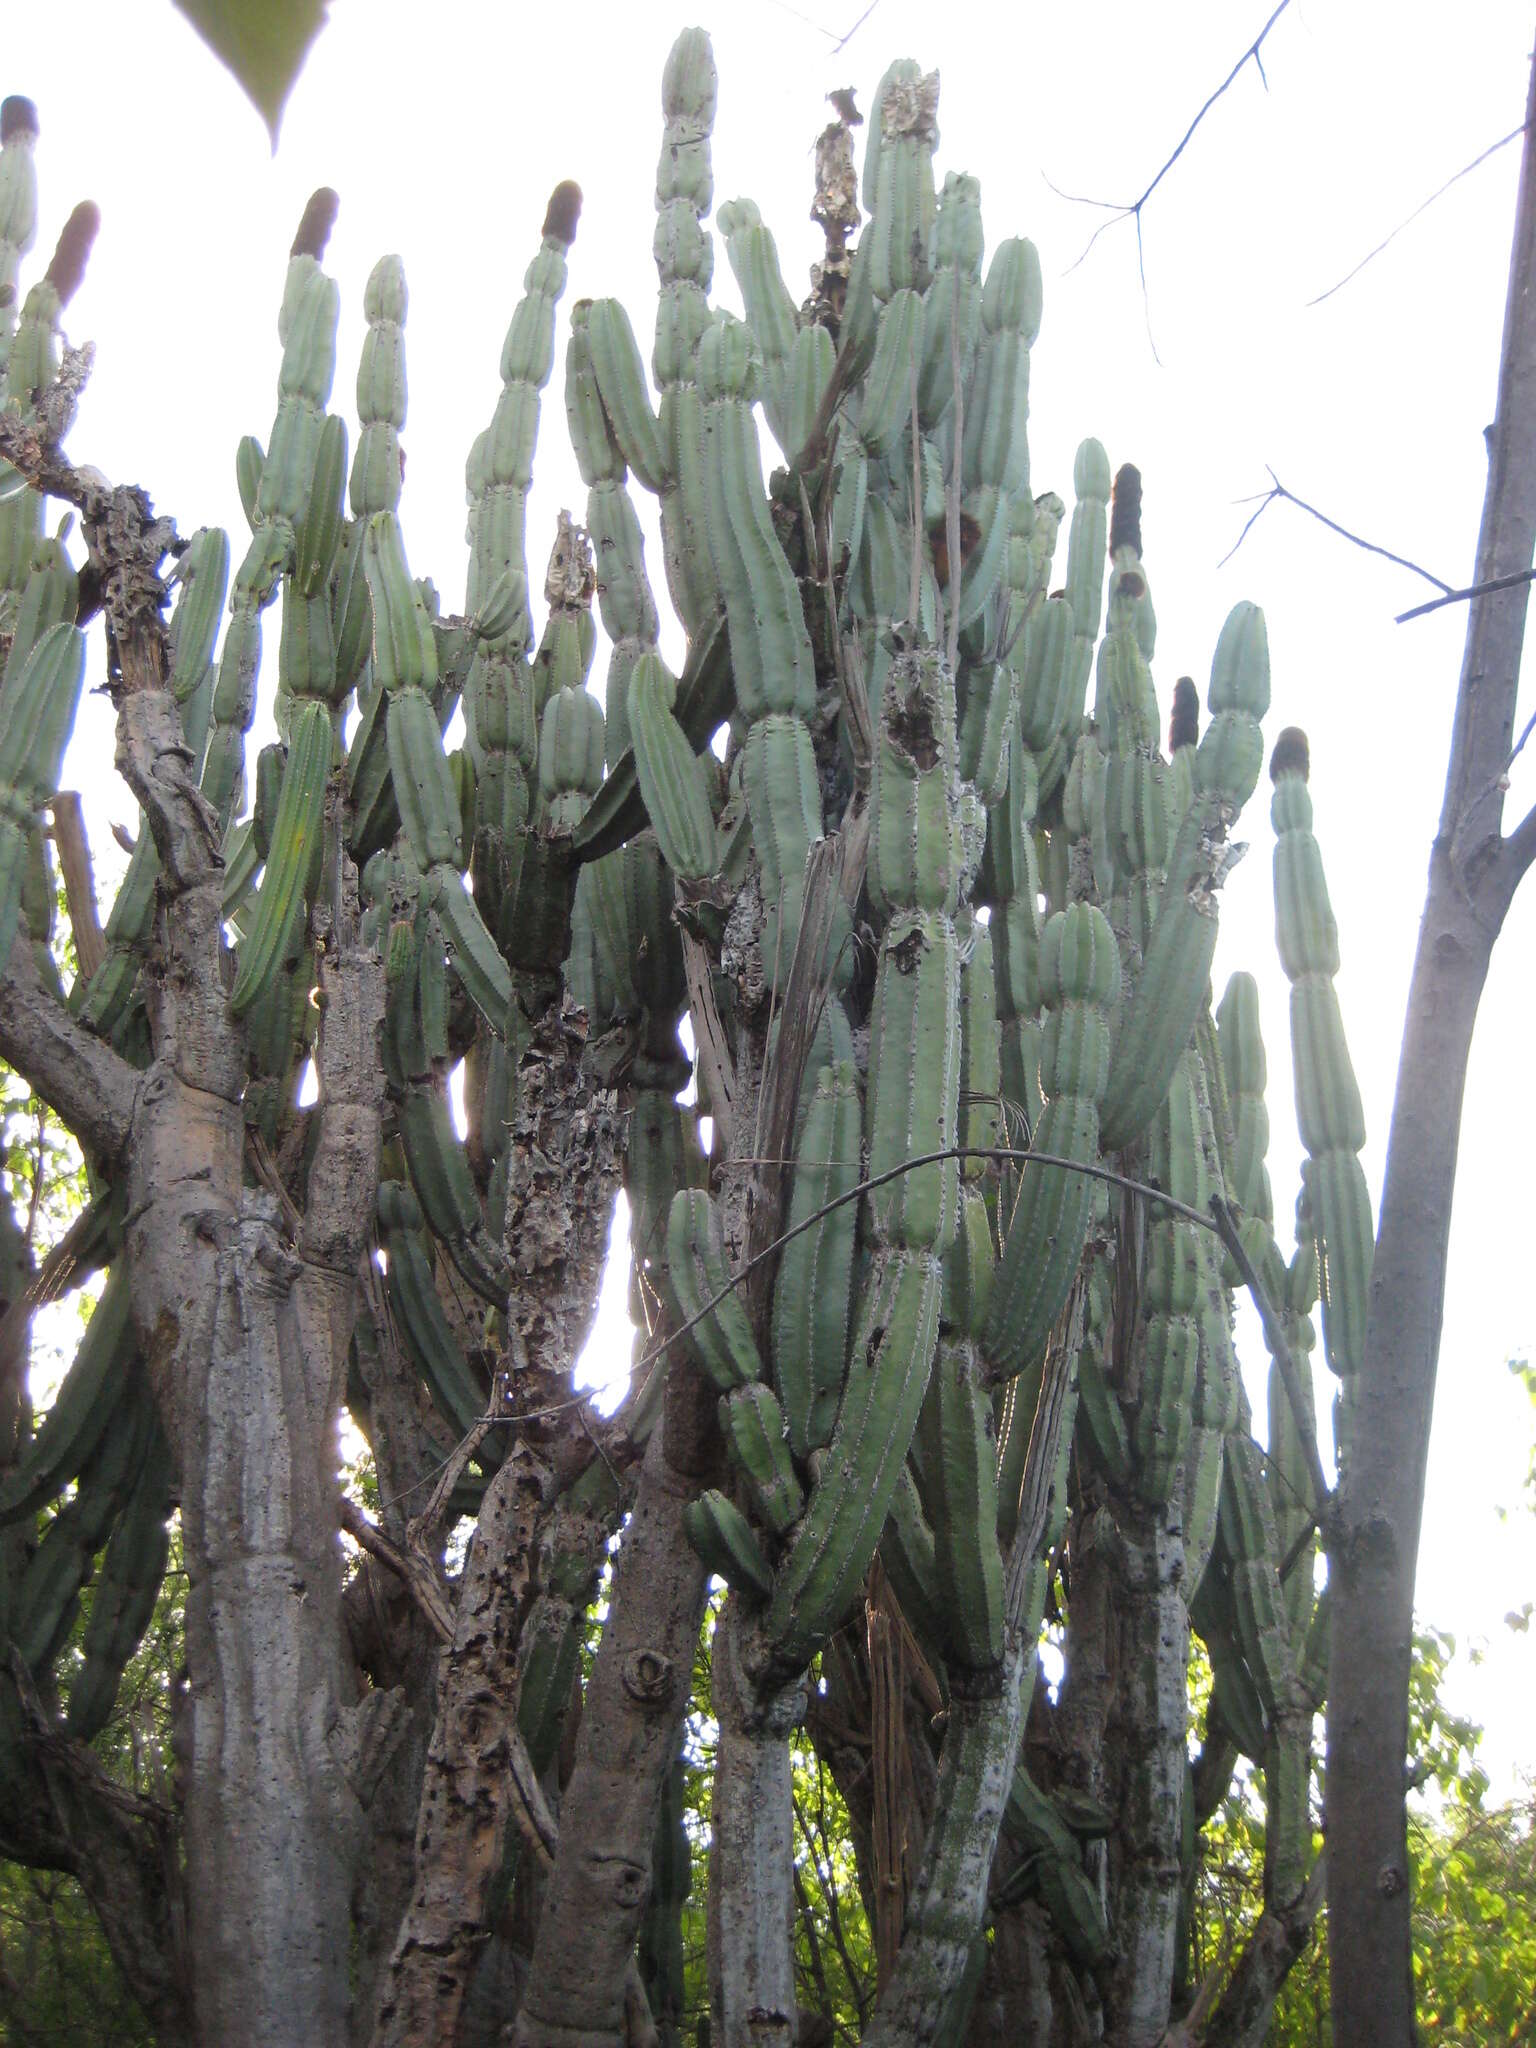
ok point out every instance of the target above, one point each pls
(809, 372)
(1079, 972)
(673, 780)
(1010, 869)
(850, 503)
(885, 406)
(1306, 931)
(986, 730)
(952, 302)
(779, 776)
(684, 264)
(1290, 1489)
(381, 392)
(203, 580)
(619, 373)
(293, 859)
(1231, 751)
(472, 952)
(959, 1457)
(1242, 1059)
(1202, 1500)
(907, 1553)
(914, 1081)
(125, 1592)
(969, 1265)
(404, 646)
(812, 1299)
(1248, 1532)
(770, 648)
(915, 854)
(1100, 1422)
(723, 1538)
(722, 1337)
(898, 180)
(1170, 991)
(1066, 1891)
(1046, 672)
(571, 750)
(997, 409)
(49, 597)
(1165, 1353)
(37, 714)
(423, 783)
(311, 309)
(1341, 1205)
(893, 1345)
(981, 1084)
(18, 201)
(769, 309)
(1328, 1107)
(753, 1424)
(418, 1314)
(440, 1175)
(500, 466)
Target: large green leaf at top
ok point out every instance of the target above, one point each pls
(262, 42)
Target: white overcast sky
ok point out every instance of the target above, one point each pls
(444, 128)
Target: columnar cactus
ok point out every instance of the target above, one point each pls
(942, 932)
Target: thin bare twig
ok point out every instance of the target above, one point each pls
(1492, 150)
(1278, 490)
(1435, 604)
(943, 1154)
(843, 41)
(1133, 210)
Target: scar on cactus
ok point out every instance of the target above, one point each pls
(563, 212)
(74, 248)
(315, 226)
(1292, 755)
(1184, 721)
(1125, 517)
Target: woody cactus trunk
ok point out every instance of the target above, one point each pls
(934, 1316)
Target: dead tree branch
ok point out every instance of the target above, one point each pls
(1133, 209)
(1492, 150)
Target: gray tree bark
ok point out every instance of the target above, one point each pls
(1474, 870)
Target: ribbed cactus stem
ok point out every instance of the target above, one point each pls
(18, 204)
(1328, 1106)
(29, 355)
(307, 330)
(381, 392)
(570, 717)
(500, 712)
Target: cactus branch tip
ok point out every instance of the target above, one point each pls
(563, 212)
(18, 116)
(73, 251)
(1125, 520)
(1292, 755)
(315, 226)
(1184, 720)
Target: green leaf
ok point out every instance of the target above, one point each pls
(262, 42)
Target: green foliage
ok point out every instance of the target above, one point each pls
(1473, 1874)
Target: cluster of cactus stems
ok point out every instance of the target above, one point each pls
(1009, 982)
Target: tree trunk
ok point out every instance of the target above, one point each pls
(631, 1719)
(752, 1847)
(1472, 876)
